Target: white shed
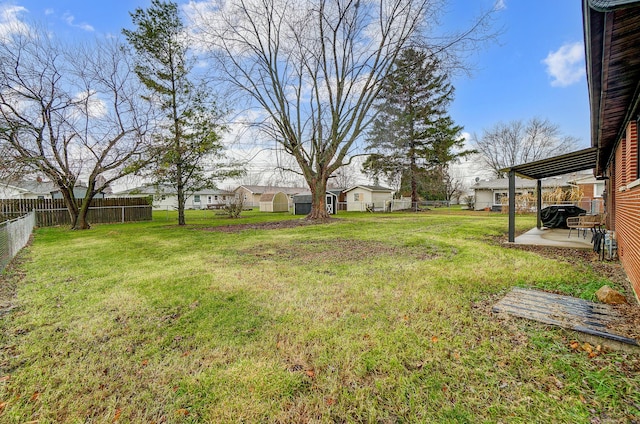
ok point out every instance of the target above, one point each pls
(274, 202)
(368, 197)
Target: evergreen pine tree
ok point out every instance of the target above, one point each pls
(188, 137)
(413, 138)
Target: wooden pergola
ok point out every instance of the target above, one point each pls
(580, 160)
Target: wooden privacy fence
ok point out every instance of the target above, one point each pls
(51, 212)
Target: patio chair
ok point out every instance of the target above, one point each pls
(576, 223)
(586, 222)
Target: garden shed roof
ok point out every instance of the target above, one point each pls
(268, 197)
(371, 188)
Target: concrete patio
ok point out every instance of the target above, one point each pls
(555, 237)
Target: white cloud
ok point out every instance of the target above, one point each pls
(500, 5)
(90, 105)
(70, 20)
(467, 141)
(566, 65)
(10, 22)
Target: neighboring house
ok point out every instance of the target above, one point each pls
(79, 191)
(38, 189)
(35, 189)
(612, 44)
(210, 198)
(165, 197)
(251, 193)
(368, 197)
(274, 202)
(592, 190)
(493, 194)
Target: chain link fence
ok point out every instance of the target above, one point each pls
(14, 235)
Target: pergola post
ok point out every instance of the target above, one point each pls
(512, 206)
(539, 203)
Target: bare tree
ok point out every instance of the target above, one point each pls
(70, 112)
(454, 187)
(344, 177)
(252, 178)
(516, 142)
(315, 68)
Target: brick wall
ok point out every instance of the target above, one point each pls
(625, 197)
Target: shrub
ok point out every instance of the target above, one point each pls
(235, 209)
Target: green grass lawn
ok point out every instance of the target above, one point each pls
(377, 318)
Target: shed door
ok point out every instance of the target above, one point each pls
(330, 205)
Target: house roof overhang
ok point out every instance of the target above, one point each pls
(612, 47)
(580, 160)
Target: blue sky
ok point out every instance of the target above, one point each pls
(534, 69)
(512, 78)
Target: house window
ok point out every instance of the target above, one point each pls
(40, 197)
(598, 188)
(497, 197)
(209, 199)
(196, 198)
(215, 198)
(357, 197)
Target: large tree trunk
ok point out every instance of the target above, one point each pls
(72, 206)
(181, 220)
(318, 188)
(83, 223)
(180, 191)
(414, 182)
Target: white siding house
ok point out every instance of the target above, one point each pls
(165, 197)
(493, 194)
(26, 189)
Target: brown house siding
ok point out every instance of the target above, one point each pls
(626, 215)
(587, 191)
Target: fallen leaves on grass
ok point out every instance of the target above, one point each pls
(5, 378)
(586, 347)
